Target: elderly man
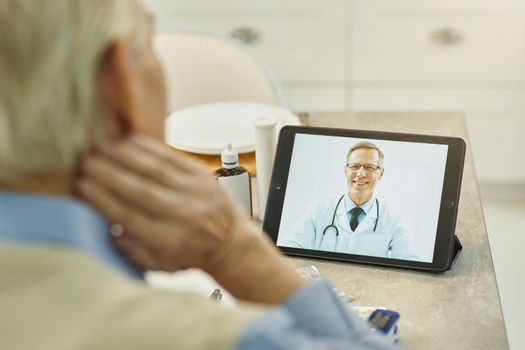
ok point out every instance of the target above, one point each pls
(78, 76)
(355, 222)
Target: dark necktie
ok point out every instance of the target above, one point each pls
(355, 214)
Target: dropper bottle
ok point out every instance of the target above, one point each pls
(235, 178)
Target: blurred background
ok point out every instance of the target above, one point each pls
(400, 55)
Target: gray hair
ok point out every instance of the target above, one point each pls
(51, 110)
(366, 144)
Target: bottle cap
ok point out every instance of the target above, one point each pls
(265, 122)
(229, 157)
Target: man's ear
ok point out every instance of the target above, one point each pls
(115, 80)
(381, 173)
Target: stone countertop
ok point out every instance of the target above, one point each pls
(458, 309)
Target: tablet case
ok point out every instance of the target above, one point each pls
(456, 250)
(456, 246)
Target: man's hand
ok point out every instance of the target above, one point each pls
(175, 215)
(173, 212)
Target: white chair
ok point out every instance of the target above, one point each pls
(202, 68)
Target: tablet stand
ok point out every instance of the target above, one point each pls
(456, 250)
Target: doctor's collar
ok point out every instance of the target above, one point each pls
(349, 204)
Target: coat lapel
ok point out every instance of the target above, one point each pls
(367, 225)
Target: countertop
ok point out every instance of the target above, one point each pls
(458, 309)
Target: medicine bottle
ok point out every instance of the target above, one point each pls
(235, 178)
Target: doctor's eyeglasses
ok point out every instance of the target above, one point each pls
(369, 168)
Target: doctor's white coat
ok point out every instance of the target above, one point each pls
(389, 240)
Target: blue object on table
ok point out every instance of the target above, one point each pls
(385, 321)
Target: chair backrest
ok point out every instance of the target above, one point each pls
(202, 68)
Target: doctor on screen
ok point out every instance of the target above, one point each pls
(355, 222)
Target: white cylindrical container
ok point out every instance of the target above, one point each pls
(265, 139)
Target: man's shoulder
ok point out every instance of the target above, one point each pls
(108, 306)
(327, 203)
(320, 207)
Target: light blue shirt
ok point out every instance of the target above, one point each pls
(349, 205)
(313, 318)
(30, 219)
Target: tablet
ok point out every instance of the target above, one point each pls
(365, 196)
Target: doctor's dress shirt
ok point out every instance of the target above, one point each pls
(64, 284)
(349, 205)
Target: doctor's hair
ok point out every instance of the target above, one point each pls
(366, 144)
(51, 107)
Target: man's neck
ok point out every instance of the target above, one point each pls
(358, 201)
(58, 184)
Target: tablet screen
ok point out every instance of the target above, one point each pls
(368, 197)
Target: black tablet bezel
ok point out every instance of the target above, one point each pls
(444, 247)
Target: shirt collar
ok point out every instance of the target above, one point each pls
(349, 204)
(31, 219)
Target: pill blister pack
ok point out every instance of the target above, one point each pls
(311, 272)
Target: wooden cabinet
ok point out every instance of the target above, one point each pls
(464, 55)
(439, 44)
(447, 55)
(302, 40)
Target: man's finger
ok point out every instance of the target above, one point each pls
(131, 188)
(135, 222)
(132, 220)
(137, 253)
(160, 149)
(145, 163)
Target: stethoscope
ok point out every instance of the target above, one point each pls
(332, 225)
